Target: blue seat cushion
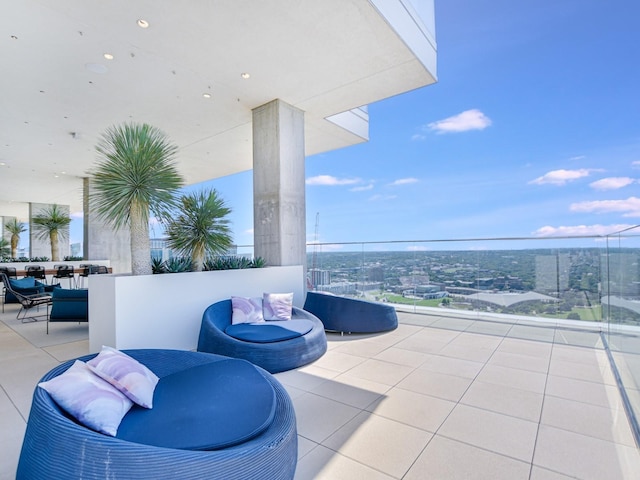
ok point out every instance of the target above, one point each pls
(207, 407)
(269, 332)
(69, 304)
(26, 282)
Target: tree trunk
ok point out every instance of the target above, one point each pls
(53, 237)
(14, 245)
(197, 259)
(140, 243)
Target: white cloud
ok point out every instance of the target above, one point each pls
(578, 157)
(249, 231)
(404, 181)
(77, 215)
(578, 230)
(418, 248)
(612, 183)
(629, 207)
(362, 188)
(635, 164)
(376, 198)
(418, 137)
(331, 181)
(560, 177)
(463, 122)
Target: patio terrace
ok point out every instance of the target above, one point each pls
(440, 397)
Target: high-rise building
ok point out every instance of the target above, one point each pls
(552, 273)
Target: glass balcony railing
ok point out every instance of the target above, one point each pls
(574, 284)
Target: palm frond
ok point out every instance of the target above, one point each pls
(51, 220)
(136, 167)
(199, 229)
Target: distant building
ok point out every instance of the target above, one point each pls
(484, 283)
(339, 288)
(626, 269)
(426, 292)
(320, 277)
(160, 250)
(369, 286)
(75, 249)
(552, 273)
(375, 274)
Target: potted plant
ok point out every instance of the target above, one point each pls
(200, 228)
(136, 176)
(15, 228)
(52, 223)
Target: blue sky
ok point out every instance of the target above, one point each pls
(533, 129)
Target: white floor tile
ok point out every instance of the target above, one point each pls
(492, 431)
(383, 444)
(325, 464)
(446, 459)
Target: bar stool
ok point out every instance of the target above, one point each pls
(36, 271)
(87, 269)
(65, 271)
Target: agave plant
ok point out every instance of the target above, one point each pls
(157, 265)
(52, 223)
(177, 265)
(15, 228)
(200, 228)
(258, 262)
(136, 177)
(231, 263)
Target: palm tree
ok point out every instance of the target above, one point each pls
(200, 228)
(135, 177)
(4, 247)
(51, 223)
(15, 228)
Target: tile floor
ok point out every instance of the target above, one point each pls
(437, 398)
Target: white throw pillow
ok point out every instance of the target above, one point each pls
(277, 306)
(126, 374)
(246, 310)
(89, 399)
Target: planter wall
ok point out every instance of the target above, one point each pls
(165, 311)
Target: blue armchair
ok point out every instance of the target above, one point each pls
(69, 306)
(25, 286)
(29, 293)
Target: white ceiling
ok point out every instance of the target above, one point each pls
(324, 57)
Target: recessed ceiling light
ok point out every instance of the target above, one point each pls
(206, 95)
(108, 56)
(143, 23)
(245, 75)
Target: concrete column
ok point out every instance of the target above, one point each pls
(279, 184)
(101, 241)
(39, 247)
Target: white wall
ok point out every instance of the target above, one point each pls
(165, 311)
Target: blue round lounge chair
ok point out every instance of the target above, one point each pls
(57, 447)
(274, 357)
